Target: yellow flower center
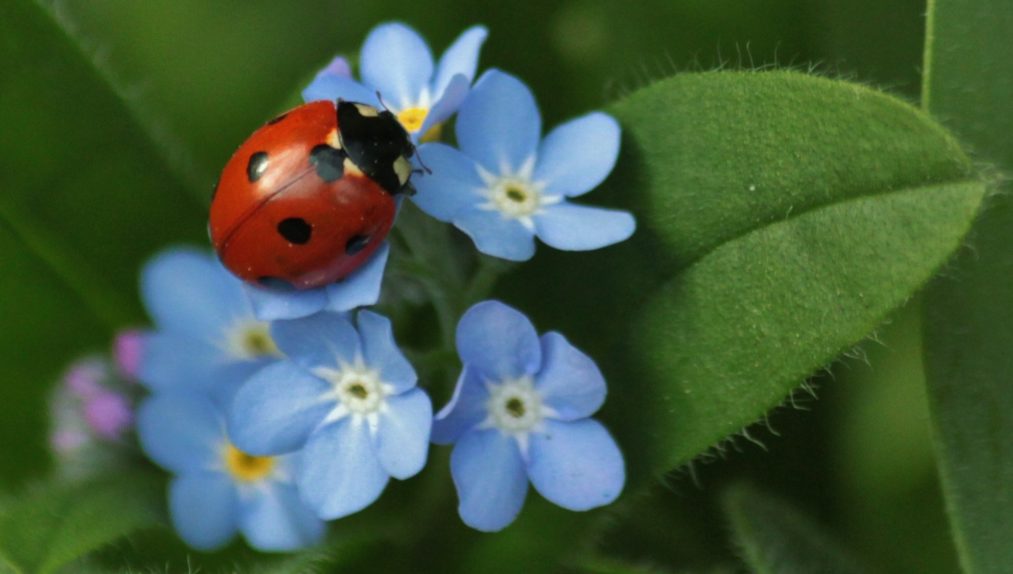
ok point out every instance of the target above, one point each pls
(246, 467)
(412, 120)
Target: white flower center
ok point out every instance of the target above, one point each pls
(358, 390)
(250, 339)
(515, 198)
(515, 195)
(514, 406)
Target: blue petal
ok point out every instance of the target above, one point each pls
(579, 228)
(321, 340)
(274, 304)
(328, 86)
(445, 105)
(490, 479)
(274, 519)
(362, 288)
(569, 381)
(230, 378)
(576, 465)
(186, 291)
(460, 58)
(181, 431)
(335, 82)
(204, 509)
(498, 341)
(499, 124)
(277, 409)
(401, 441)
(396, 61)
(578, 155)
(340, 473)
(466, 409)
(453, 185)
(339, 66)
(161, 368)
(382, 353)
(495, 234)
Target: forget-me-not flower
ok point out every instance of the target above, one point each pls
(218, 489)
(521, 412)
(396, 63)
(360, 289)
(206, 336)
(506, 185)
(347, 397)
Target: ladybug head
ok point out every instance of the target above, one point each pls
(377, 144)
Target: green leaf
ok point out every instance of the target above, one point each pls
(87, 197)
(969, 313)
(782, 217)
(56, 524)
(727, 339)
(601, 565)
(775, 539)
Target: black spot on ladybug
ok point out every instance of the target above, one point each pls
(356, 244)
(277, 119)
(330, 162)
(257, 165)
(295, 230)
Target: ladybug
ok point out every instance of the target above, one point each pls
(311, 194)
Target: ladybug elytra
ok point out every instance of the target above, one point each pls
(310, 195)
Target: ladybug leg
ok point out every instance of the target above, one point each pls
(407, 189)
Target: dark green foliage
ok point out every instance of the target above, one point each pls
(86, 196)
(969, 313)
(55, 524)
(774, 538)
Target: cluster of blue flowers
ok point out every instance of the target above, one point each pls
(276, 411)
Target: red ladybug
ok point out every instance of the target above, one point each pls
(310, 195)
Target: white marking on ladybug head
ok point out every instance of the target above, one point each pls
(333, 139)
(351, 168)
(403, 169)
(367, 111)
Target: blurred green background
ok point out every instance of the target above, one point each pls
(205, 74)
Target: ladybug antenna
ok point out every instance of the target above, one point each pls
(425, 168)
(383, 104)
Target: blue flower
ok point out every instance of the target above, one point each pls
(361, 288)
(521, 412)
(347, 397)
(218, 489)
(206, 336)
(396, 62)
(505, 186)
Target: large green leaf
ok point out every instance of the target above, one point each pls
(57, 524)
(969, 313)
(775, 539)
(84, 198)
(782, 217)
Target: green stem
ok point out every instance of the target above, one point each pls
(927, 59)
(489, 270)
